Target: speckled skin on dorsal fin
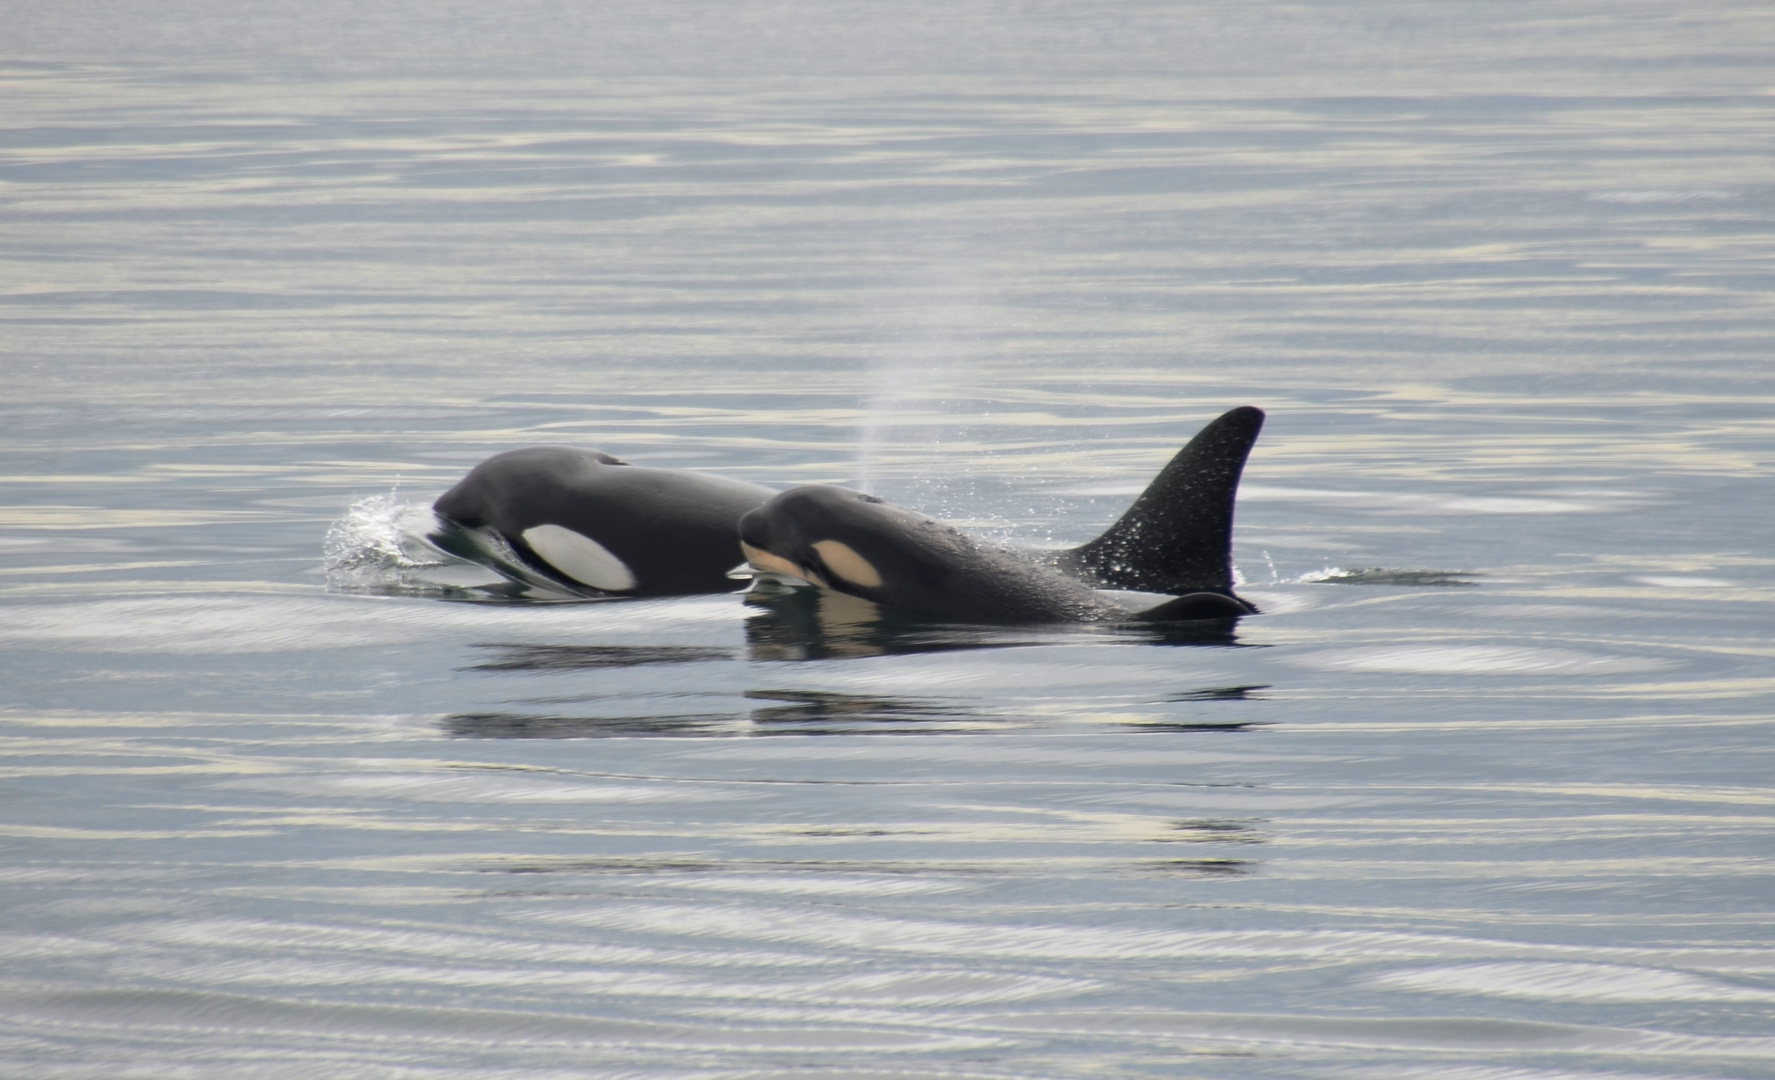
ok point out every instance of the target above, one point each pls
(1177, 537)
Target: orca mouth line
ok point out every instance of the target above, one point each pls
(760, 561)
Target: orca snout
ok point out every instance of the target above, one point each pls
(781, 525)
(755, 530)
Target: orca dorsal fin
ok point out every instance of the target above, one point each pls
(1178, 535)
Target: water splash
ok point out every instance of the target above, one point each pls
(378, 546)
(1382, 575)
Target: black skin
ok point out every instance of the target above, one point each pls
(674, 529)
(1177, 537)
(927, 566)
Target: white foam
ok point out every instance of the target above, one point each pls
(281, 623)
(817, 885)
(1634, 198)
(954, 939)
(1414, 502)
(1683, 581)
(1551, 981)
(376, 542)
(472, 787)
(1475, 660)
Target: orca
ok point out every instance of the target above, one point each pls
(1175, 538)
(587, 523)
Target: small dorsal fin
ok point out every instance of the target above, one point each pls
(1177, 537)
(1194, 606)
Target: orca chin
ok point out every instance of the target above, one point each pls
(583, 522)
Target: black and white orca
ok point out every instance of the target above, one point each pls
(584, 522)
(1175, 538)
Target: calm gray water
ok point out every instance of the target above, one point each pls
(1485, 794)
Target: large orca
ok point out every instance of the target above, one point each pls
(585, 522)
(1176, 538)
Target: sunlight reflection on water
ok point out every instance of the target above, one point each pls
(1481, 794)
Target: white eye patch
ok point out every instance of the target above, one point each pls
(579, 557)
(847, 564)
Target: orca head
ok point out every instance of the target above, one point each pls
(846, 541)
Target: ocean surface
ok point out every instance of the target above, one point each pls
(1485, 793)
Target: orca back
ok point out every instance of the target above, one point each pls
(1177, 537)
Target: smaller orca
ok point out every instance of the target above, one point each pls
(849, 542)
(587, 523)
(1175, 538)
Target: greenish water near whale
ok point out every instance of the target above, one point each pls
(1484, 793)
